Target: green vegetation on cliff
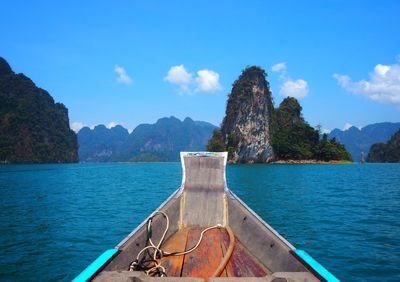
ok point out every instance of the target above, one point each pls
(279, 134)
(386, 153)
(33, 129)
(293, 138)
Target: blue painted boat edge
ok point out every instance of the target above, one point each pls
(318, 268)
(95, 266)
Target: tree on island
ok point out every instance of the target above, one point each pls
(294, 139)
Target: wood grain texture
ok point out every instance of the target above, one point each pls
(261, 242)
(203, 261)
(177, 243)
(204, 173)
(242, 263)
(203, 209)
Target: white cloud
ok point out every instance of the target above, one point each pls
(295, 88)
(178, 75)
(206, 81)
(347, 126)
(326, 131)
(123, 76)
(383, 84)
(76, 126)
(279, 67)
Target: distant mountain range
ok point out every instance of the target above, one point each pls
(358, 141)
(162, 141)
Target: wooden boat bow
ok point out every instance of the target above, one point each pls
(196, 215)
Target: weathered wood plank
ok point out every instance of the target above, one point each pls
(177, 243)
(204, 173)
(261, 241)
(203, 261)
(242, 263)
(205, 208)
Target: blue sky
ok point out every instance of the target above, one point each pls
(132, 62)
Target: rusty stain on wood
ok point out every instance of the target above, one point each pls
(177, 243)
(203, 261)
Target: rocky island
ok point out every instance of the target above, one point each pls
(253, 131)
(33, 128)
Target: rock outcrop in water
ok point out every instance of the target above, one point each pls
(33, 128)
(254, 132)
(245, 130)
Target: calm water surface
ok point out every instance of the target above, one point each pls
(56, 219)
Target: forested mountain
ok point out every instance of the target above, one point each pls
(102, 144)
(33, 128)
(386, 153)
(358, 141)
(162, 141)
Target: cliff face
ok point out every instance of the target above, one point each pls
(245, 129)
(33, 128)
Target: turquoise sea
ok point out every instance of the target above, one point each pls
(56, 219)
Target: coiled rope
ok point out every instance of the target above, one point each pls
(152, 267)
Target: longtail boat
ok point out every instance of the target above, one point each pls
(204, 232)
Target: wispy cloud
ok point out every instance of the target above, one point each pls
(297, 88)
(76, 126)
(112, 124)
(206, 81)
(279, 67)
(123, 76)
(294, 88)
(325, 131)
(383, 84)
(347, 125)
